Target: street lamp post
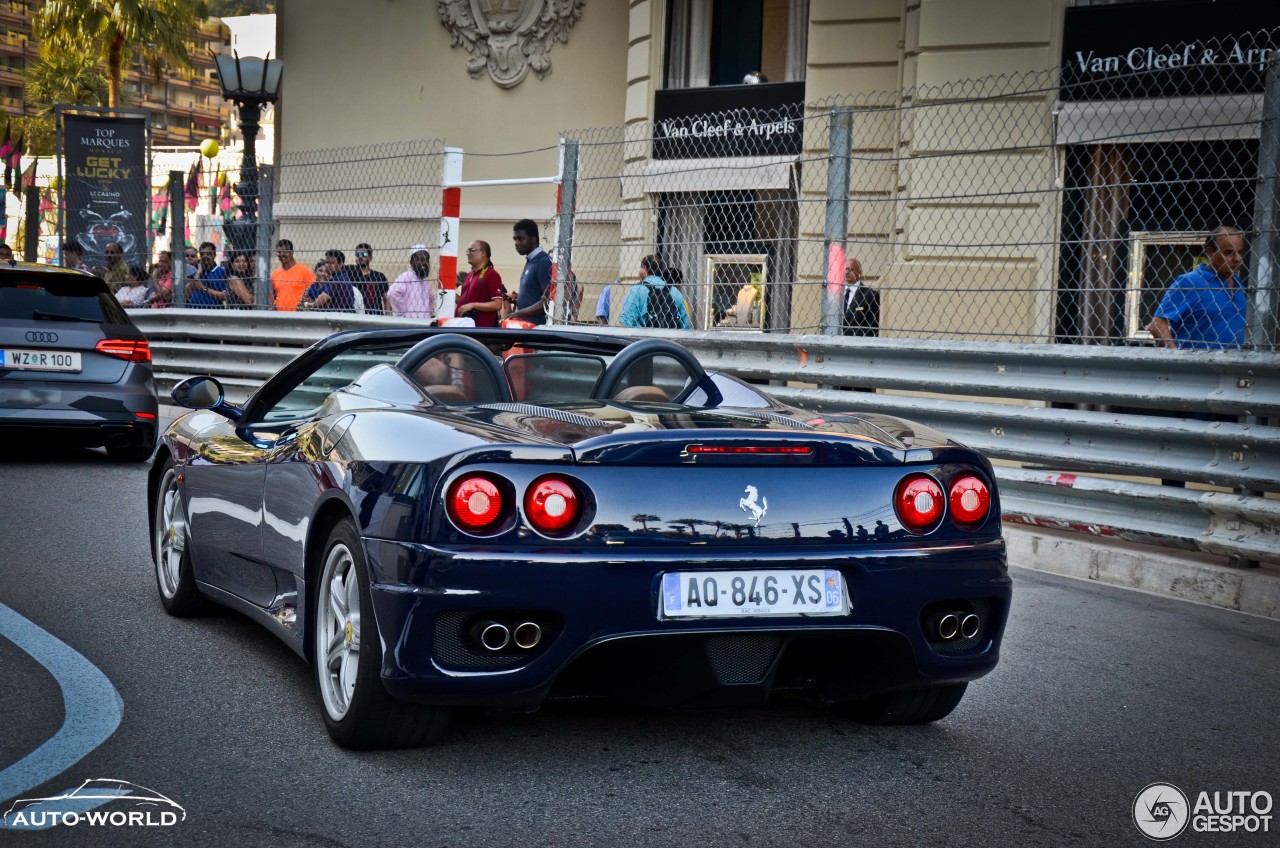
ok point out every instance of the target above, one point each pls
(250, 82)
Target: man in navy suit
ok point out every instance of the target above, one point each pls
(861, 303)
(535, 280)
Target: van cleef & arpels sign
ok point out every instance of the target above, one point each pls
(1177, 48)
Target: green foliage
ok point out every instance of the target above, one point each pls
(116, 30)
(39, 135)
(229, 8)
(65, 77)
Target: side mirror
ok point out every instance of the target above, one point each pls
(198, 393)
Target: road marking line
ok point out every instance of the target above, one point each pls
(92, 708)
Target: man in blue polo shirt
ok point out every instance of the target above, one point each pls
(1205, 308)
(535, 280)
(208, 288)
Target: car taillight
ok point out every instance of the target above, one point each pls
(131, 350)
(970, 500)
(791, 450)
(551, 504)
(474, 503)
(918, 501)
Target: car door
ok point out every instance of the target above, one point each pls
(224, 481)
(296, 463)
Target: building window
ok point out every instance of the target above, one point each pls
(718, 42)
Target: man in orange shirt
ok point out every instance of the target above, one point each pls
(291, 279)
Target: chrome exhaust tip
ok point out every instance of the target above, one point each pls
(492, 635)
(948, 626)
(527, 634)
(969, 626)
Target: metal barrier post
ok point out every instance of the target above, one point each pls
(450, 218)
(1262, 319)
(836, 232)
(30, 247)
(178, 236)
(566, 198)
(263, 291)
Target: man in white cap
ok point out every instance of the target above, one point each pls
(412, 295)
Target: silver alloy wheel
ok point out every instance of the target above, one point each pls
(171, 535)
(338, 631)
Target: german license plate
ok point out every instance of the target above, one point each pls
(719, 594)
(39, 360)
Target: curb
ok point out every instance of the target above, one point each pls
(1162, 571)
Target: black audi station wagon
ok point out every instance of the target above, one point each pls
(74, 369)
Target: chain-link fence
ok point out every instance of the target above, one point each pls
(355, 214)
(349, 221)
(1071, 205)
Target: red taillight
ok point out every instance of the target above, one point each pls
(131, 350)
(551, 504)
(919, 503)
(474, 503)
(793, 450)
(970, 500)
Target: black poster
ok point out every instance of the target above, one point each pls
(1176, 48)
(105, 167)
(729, 120)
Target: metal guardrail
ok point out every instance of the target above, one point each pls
(1213, 522)
(1075, 444)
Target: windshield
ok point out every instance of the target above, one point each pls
(552, 377)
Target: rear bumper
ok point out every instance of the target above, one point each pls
(603, 634)
(89, 416)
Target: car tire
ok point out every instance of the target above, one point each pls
(171, 549)
(914, 706)
(130, 453)
(358, 712)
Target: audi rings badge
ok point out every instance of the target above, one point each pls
(42, 337)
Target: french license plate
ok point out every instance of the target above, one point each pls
(719, 594)
(39, 360)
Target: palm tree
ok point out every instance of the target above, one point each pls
(156, 30)
(65, 77)
(691, 523)
(644, 519)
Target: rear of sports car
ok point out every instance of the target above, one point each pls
(703, 562)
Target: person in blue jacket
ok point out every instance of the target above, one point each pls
(637, 309)
(1205, 309)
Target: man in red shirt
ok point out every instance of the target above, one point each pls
(482, 293)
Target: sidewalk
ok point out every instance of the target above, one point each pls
(1170, 572)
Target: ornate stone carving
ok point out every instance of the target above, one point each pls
(508, 37)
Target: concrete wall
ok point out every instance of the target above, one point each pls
(379, 71)
(911, 197)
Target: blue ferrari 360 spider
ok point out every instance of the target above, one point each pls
(438, 518)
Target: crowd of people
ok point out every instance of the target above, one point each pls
(1204, 308)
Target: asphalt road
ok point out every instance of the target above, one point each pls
(1100, 692)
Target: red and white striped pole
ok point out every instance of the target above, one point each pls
(450, 211)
